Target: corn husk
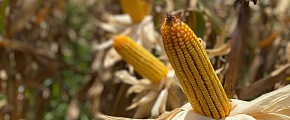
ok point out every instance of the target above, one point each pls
(271, 106)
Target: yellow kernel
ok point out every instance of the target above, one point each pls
(194, 71)
(143, 61)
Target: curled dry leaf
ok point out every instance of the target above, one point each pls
(151, 98)
(104, 45)
(145, 99)
(126, 77)
(135, 89)
(253, 90)
(219, 70)
(147, 33)
(138, 86)
(143, 111)
(111, 27)
(268, 42)
(96, 89)
(116, 23)
(111, 58)
(160, 104)
(222, 50)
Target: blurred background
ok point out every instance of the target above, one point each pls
(57, 61)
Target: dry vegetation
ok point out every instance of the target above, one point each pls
(57, 60)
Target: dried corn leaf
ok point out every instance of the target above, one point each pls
(149, 97)
(271, 106)
(135, 89)
(222, 50)
(160, 103)
(268, 42)
(126, 77)
(111, 58)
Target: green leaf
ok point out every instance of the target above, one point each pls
(196, 22)
(3, 6)
(2, 97)
(56, 90)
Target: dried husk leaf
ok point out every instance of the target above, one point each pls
(160, 103)
(149, 97)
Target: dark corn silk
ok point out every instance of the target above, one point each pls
(193, 69)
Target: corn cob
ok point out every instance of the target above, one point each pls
(193, 69)
(137, 9)
(143, 62)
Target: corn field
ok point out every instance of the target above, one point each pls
(143, 59)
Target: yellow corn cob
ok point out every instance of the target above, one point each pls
(137, 9)
(194, 70)
(143, 62)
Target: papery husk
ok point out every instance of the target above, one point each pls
(271, 106)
